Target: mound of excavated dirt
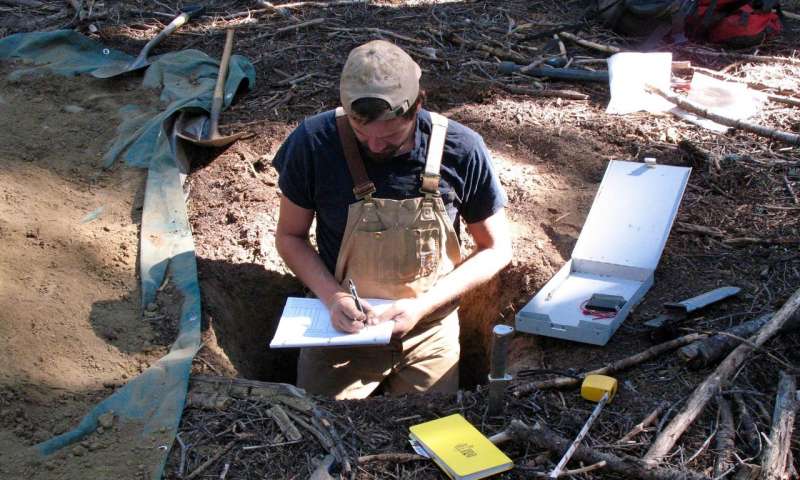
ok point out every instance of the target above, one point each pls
(71, 329)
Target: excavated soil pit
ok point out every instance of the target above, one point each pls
(243, 304)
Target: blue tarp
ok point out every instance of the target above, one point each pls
(186, 80)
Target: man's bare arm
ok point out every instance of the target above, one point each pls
(492, 253)
(291, 240)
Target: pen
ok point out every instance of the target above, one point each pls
(354, 293)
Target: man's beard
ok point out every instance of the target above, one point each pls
(384, 155)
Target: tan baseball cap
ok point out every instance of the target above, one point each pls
(380, 69)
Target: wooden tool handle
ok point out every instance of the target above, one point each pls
(219, 89)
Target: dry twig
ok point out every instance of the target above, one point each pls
(617, 366)
(589, 44)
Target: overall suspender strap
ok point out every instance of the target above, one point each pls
(363, 186)
(430, 177)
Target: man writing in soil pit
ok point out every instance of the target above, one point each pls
(389, 183)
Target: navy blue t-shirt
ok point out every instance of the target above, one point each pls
(313, 174)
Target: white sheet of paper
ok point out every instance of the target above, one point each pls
(305, 322)
(629, 72)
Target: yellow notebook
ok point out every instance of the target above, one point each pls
(460, 449)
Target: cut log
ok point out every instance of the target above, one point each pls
(708, 351)
(712, 385)
(619, 365)
(725, 440)
(542, 436)
(776, 463)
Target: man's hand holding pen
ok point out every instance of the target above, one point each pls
(349, 312)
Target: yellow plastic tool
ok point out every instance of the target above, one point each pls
(595, 386)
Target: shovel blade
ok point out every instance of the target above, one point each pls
(116, 69)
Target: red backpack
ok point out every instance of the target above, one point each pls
(735, 22)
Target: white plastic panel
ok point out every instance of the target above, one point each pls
(632, 214)
(564, 305)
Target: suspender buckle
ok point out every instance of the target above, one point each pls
(364, 190)
(430, 184)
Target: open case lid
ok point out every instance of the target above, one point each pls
(630, 219)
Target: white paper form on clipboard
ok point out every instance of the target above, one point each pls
(306, 322)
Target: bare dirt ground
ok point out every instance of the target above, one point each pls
(69, 289)
(70, 329)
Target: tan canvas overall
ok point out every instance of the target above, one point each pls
(393, 249)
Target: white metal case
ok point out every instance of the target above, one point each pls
(616, 254)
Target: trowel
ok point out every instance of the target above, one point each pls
(142, 60)
(204, 129)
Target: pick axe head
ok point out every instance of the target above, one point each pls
(595, 386)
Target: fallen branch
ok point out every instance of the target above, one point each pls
(588, 44)
(725, 441)
(541, 436)
(641, 426)
(701, 229)
(575, 471)
(688, 105)
(323, 440)
(379, 31)
(268, 6)
(390, 457)
(712, 385)
(617, 366)
(315, 21)
(748, 430)
(321, 422)
(776, 462)
(333, 3)
(501, 54)
(213, 458)
(288, 428)
(534, 92)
